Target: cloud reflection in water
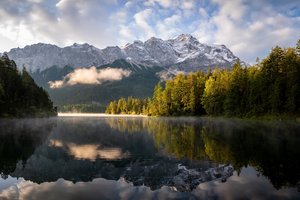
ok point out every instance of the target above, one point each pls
(90, 151)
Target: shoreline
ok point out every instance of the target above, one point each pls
(261, 118)
(96, 115)
(256, 118)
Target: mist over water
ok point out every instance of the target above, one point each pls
(140, 158)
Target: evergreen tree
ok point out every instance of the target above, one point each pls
(272, 67)
(156, 107)
(215, 91)
(292, 81)
(122, 106)
(235, 103)
(19, 95)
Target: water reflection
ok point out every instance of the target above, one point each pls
(181, 139)
(97, 189)
(92, 152)
(237, 187)
(89, 151)
(272, 148)
(154, 152)
(19, 140)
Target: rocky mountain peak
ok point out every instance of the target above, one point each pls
(154, 39)
(185, 38)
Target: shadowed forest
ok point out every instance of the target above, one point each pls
(19, 95)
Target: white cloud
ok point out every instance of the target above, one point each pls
(126, 34)
(141, 19)
(250, 32)
(163, 3)
(187, 4)
(174, 4)
(98, 188)
(69, 21)
(92, 152)
(203, 13)
(234, 9)
(56, 84)
(167, 28)
(173, 20)
(90, 76)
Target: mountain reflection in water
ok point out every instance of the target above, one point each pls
(138, 158)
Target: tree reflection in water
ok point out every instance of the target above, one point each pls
(272, 148)
(18, 141)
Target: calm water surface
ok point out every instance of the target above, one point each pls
(148, 158)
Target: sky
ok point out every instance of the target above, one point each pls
(249, 28)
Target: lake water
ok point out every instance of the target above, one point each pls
(148, 158)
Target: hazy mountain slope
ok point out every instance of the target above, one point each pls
(139, 84)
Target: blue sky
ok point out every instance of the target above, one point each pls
(250, 28)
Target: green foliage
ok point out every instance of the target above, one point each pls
(181, 96)
(215, 91)
(157, 106)
(19, 95)
(235, 101)
(128, 106)
(271, 87)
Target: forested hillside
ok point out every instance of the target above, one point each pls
(270, 87)
(95, 97)
(19, 95)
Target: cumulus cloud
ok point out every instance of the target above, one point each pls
(142, 20)
(174, 4)
(62, 22)
(99, 188)
(252, 29)
(165, 30)
(90, 76)
(92, 152)
(56, 84)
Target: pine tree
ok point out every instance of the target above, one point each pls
(272, 67)
(292, 81)
(156, 100)
(122, 106)
(215, 91)
(19, 95)
(235, 102)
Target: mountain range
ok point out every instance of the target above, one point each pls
(146, 63)
(184, 52)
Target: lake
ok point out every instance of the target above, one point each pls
(101, 157)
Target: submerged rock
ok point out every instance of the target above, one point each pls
(178, 177)
(189, 179)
